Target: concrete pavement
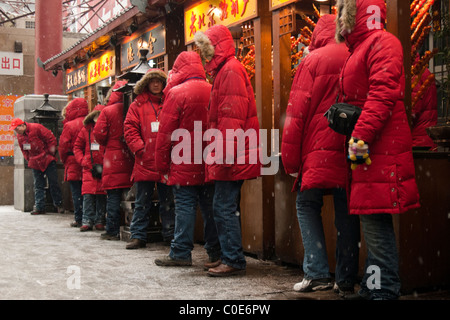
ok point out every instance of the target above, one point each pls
(43, 258)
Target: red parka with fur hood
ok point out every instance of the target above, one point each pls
(309, 147)
(82, 151)
(373, 79)
(186, 105)
(140, 137)
(108, 131)
(74, 114)
(232, 110)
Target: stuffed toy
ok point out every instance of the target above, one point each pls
(358, 152)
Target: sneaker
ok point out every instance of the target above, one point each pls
(99, 227)
(107, 236)
(343, 290)
(168, 261)
(85, 227)
(308, 285)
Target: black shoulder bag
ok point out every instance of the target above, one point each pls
(97, 169)
(342, 117)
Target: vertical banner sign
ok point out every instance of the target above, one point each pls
(204, 15)
(6, 115)
(11, 63)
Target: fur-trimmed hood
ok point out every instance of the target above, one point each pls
(142, 84)
(356, 19)
(216, 46)
(89, 119)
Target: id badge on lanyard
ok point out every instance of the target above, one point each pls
(26, 146)
(95, 146)
(155, 126)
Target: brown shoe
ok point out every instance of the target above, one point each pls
(225, 271)
(136, 244)
(209, 264)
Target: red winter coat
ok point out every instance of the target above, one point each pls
(82, 151)
(424, 113)
(309, 147)
(232, 107)
(74, 114)
(108, 131)
(187, 96)
(373, 79)
(42, 146)
(144, 110)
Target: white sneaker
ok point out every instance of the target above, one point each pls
(307, 285)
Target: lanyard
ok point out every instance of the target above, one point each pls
(156, 112)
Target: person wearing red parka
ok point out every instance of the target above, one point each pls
(424, 113)
(73, 114)
(117, 160)
(38, 146)
(88, 152)
(185, 112)
(315, 154)
(373, 79)
(233, 154)
(141, 129)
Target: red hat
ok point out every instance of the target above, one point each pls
(15, 123)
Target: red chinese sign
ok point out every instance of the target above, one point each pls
(6, 115)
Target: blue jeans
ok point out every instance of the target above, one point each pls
(94, 209)
(40, 184)
(315, 261)
(166, 210)
(142, 206)
(382, 254)
(228, 224)
(186, 200)
(77, 198)
(113, 199)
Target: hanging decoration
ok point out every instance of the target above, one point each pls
(420, 29)
(248, 61)
(304, 38)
